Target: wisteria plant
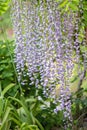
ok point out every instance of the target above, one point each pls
(48, 44)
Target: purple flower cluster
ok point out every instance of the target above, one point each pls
(19, 37)
(44, 46)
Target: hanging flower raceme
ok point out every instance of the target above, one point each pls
(44, 47)
(19, 37)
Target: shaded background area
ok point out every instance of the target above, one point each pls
(6, 26)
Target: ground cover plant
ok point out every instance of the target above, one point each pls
(39, 68)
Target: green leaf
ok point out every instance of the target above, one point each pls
(66, 5)
(0, 89)
(73, 6)
(4, 5)
(39, 124)
(31, 100)
(25, 126)
(63, 3)
(15, 117)
(1, 105)
(7, 74)
(7, 88)
(5, 118)
(28, 113)
(15, 121)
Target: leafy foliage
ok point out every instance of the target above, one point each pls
(4, 5)
(74, 5)
(7, 73)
